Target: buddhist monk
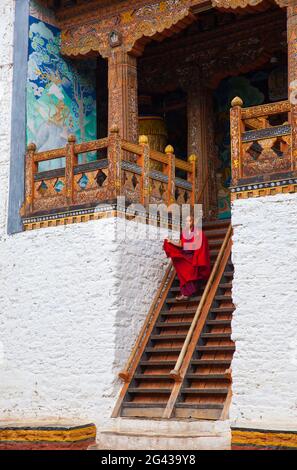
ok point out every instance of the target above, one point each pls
(190, 258)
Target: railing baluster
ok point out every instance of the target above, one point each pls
(30, 170)
(169, 150)
(236, 144)
(192, 177)
(114, 163)
(71, 161)
(144, 162)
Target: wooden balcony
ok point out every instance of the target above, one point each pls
(262, 157)
(126, 171)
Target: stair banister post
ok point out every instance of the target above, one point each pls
(114, 162)
(30, 170)
(169, 150)
(144, 162)
(192, 176)
(71, 161)
(236, 144)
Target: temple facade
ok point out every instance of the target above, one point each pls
(114, 115)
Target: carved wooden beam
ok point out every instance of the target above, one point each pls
(84, 34)
(235, 4)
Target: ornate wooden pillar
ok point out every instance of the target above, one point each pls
(292, 74)
(201, 142)
(122, 94)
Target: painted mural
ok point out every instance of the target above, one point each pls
(61, 94)
(246, 88)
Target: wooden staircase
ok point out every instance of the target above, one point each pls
(180, 365)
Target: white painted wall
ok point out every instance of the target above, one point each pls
(72, 301)
(264, 367)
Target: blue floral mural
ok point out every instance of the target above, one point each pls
(61, 94)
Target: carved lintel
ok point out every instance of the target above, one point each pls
(235, 4)
(92, 32)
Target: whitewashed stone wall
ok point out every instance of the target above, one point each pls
(264, 367)
(72, 301)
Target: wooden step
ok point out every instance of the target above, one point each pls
(211, 362)
(215, 223)
(173, 324)
(162, 350)
(175, 288)
(216, 335)
(153, 377)
(218, 323)
(215, 348)
(149, 391)
(229, 274)
(205, 414)
(132, 404)
(223, 297)
(178, 312)
(217, 233)
(213, 253)
(210, 411)
(201, 406)
(205, 391)
(216, 242)
(157, 363)
(172, 300)
(227, 285)
(222, 310)
(165, 337)
(143, 410)
(196, 300)
(207, 376)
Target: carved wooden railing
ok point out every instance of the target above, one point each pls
(127, 171)
(260, 142)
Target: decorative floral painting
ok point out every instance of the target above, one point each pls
(61, 94)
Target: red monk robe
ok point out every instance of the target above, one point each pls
(191, 261)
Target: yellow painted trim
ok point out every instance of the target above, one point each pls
(264, 439)
(80, 218)
(47, 435)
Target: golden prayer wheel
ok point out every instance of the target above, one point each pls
(154, 128)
